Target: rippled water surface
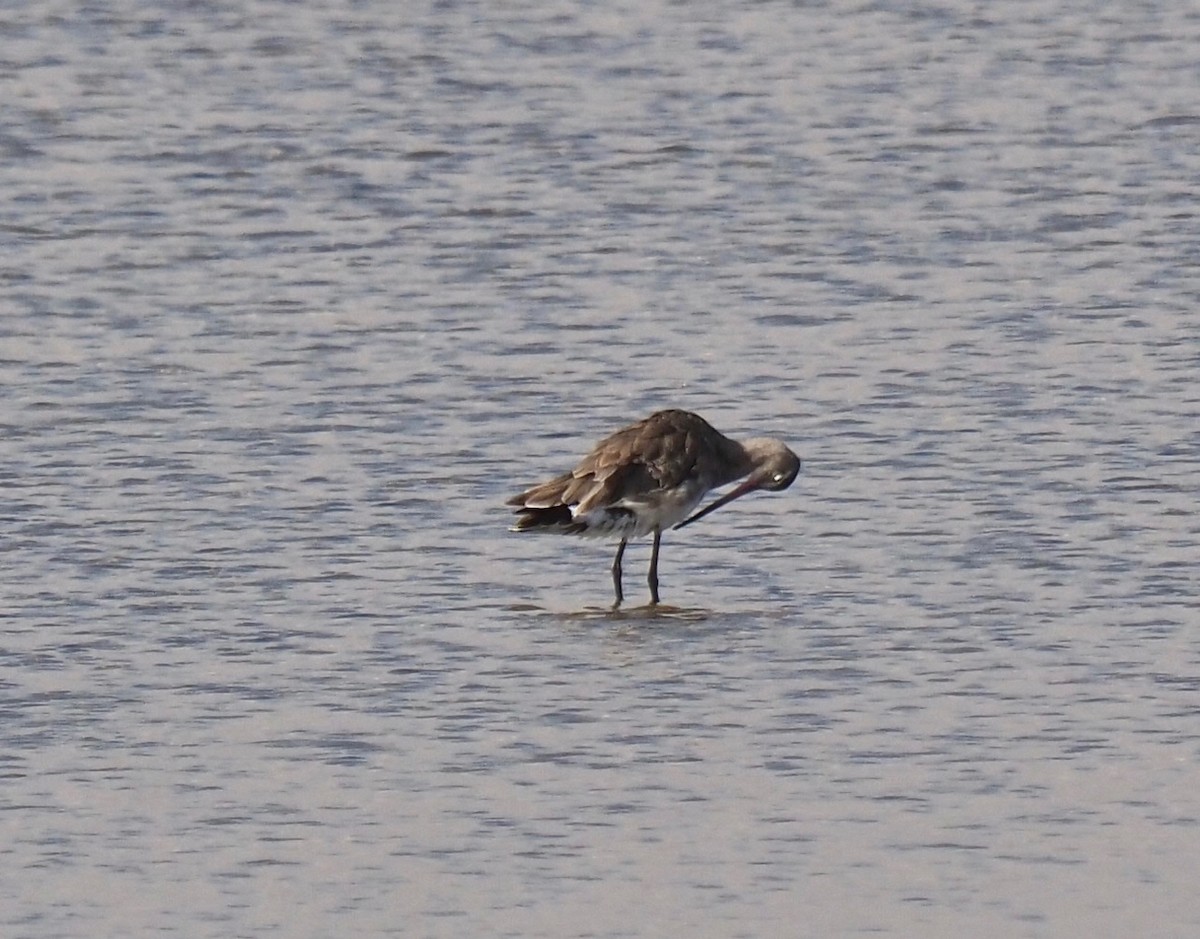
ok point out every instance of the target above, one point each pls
(295, 295)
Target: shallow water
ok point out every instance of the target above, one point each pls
(294, 298)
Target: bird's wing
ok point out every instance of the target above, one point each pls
(655, 454)
(649, 456)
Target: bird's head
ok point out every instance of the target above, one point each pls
(773, 467)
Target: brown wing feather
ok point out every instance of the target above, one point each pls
(659, 452)
(543, 495)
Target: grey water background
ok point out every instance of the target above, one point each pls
(294, 295)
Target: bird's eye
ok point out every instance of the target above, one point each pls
(778, 478)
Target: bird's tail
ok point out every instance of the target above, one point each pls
(555, 518)
(541, 508)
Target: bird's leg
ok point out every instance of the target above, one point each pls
(652, 580)
(616, 572)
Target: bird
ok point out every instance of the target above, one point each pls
(648, 477)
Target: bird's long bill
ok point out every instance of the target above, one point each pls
(748, 486)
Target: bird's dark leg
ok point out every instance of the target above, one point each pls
(616, 571)
(652, 580)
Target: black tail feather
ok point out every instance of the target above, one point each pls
(555, 518)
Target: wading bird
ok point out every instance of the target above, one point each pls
(648, 477)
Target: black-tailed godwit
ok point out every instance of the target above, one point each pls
(648, 477)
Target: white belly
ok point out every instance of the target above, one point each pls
(629, 518)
